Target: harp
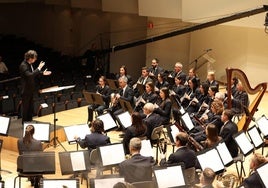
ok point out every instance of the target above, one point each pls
(258, 91)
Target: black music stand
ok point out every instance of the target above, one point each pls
(93, 98)
(125, 105)
(1, 170)
(55, 90)
(113, 84)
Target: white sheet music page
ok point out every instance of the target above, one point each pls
(215, 164)
(112, 154)
(4, 124)
(263, 125)
(255, 136)
(174, 132)
(146, 148)
(78, 162)
(263, 171)
(224, 153)
(244, 143)
(76, 130)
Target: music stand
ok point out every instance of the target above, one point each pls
(64, 183)
(175, 176)
(93, 98)
(113, 84)
(41, 131)
(255, 136)
(124, 119)
(187, 122)
(262, 124)
(108, 121)
(262, 172)
(125, 105)
(54, 90)
(4, 125)
(1, 170)
(243, 143)
(105, 182)
(74, 162)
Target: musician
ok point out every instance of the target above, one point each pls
(177, 71)
(227, 131)
(191, 92)
(138, 168)
(164, 106)
(253, 180)
(240, 99)
(206, 178)
(143, 79)
(28, 74)
(212, 136)
(211, 80)
(191, 74)
(149, 95)
(155, 69)
(137, 129)
(182, 155)
(161, 82)
(179, 88)
(103, 89)
(123, 72)
(212, 90)
(96, 138)
(150, 118)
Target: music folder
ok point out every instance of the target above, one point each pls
(4, 125)
(76, 130)
(112, 154)
(93, 98)
(255, 136)
(61, 183)
(41, 131)
(243, 143)
(224, 153)
(172, 132)
(262, 123)
(187, 121)
(108, 121)
(172, 176)
(105, 182)
(74, 161)
(262, 173)
(124, 119)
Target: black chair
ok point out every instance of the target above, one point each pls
(155, 138)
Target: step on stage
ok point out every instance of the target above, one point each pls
(71, 117)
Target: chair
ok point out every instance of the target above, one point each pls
(95, 160)
(189, 176)
(155, 138)
(239, 159)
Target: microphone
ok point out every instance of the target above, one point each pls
(207, 50)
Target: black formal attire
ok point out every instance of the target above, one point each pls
(147, 97)
(160, 85)
(213, 83)
(182, 155)
(142, 81)
(156, 70)
(129, 79)
(151, 121)
(93, 140)
(28, 88)
(227, 131)
(136, 169)
(178, 74)
(239, 101)
(164, 111)
(131, 132)
(253, 181)
(105, 93)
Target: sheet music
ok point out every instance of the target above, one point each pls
(41, 130)
(263, 125)
(125, 119)
(107, 182)
(146, 148)
(174, 132)
(68, 183)
(76, 130)
(255, 136)
(78, 162)
(187, 121)
(224, 153)
(169, 177)
(244, 143)
(4, 124)
(215, 164)
(108, 121)
(263, 171)
(112, 154)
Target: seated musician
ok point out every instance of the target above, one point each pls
(150, 119)
(164, 106)
(123, 72)
(212, 90)
(160, 82)
(207, 178)
(155, 69)
(138, 168)
(191, 92)
(240, 99)
(182, 155)
(179, 88)
(177, 71)
(211, 80)
(227, 131)
(143, 79)
(148, 96)
(96, 138)
(253, 180)
(212, 136)
(104, 90)
(137, 129)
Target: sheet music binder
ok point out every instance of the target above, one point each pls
(38, 162)
(4, 125)
(68, 162)
(93, 98)
(255, 136)
(262, 123)
(262, 172)
(105, 182)
(172, 132)
(76, 130)
(243, 143)
(187, 121)
(175, 174)
(108, 122)
(64, 183)
(124, 119)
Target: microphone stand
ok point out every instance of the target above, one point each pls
(196, 59)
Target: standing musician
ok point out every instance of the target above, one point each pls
(103, 89)
(149, 95)
(164, 106)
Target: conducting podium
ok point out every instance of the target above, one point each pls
(55, 90)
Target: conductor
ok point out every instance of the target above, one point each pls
(28, 74)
